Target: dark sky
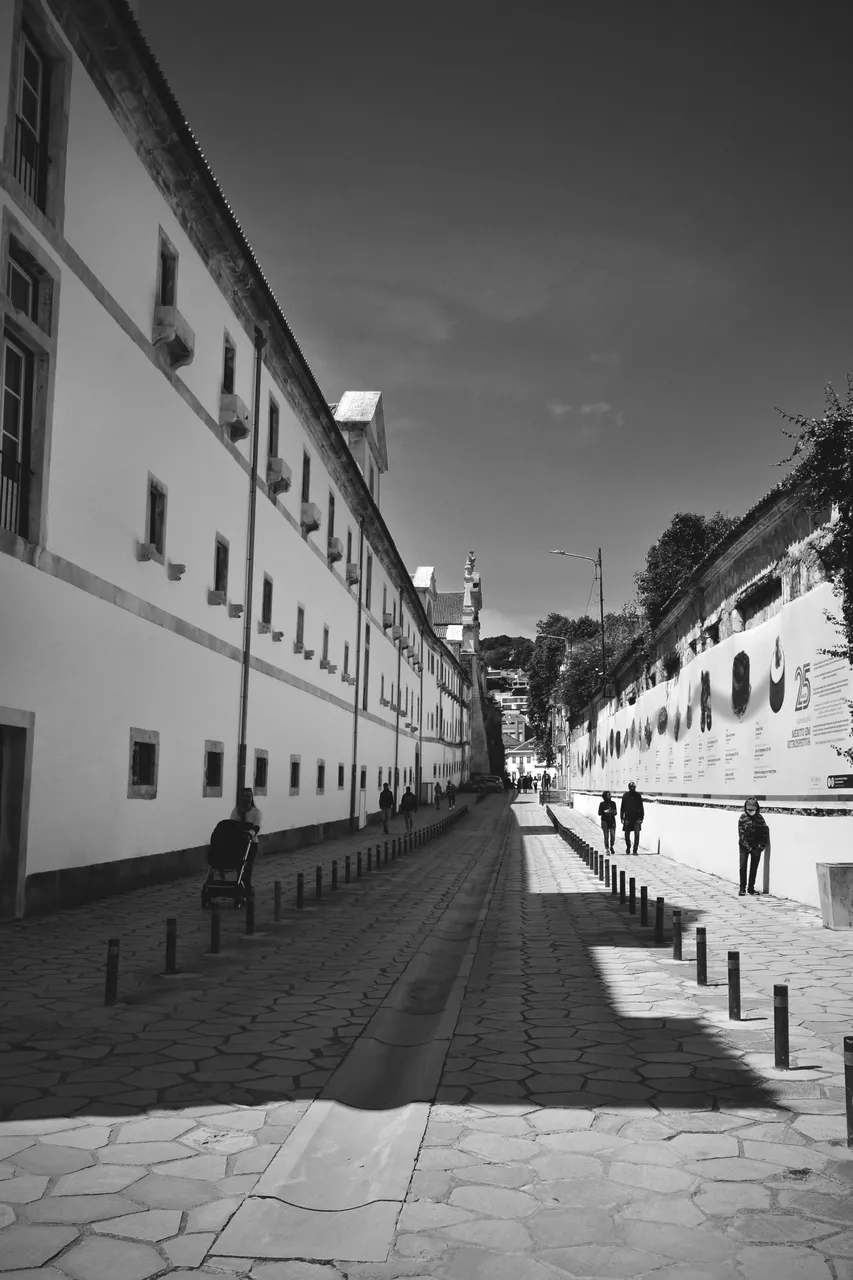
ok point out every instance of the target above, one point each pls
(582, 248)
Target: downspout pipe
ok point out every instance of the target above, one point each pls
(420, 729)
(260, 343)
(354, 770)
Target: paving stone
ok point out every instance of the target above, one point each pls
(25, 1246)
(91, 1138)
(770, 1262)
(51, 1160)
(497, 1149)
(99, 1258)
(652, 1153)
(245, 1120)
(551, 1228)
(700, 1244)
(597, 1193)
(775, 1228)
(154, 1129)
(427, 1215)
(76, 1210)
(733, 1169)
(293, 1271)
(779, 1153)
(816, 1204)
(556, 1121)
(674, 1209)
(7, 1215)
(172, 1193)
(509, 1237)
(838, 1246)
(611, 1260)
(822, 1127)
(431, 1184)
(703, 1146)
(24, 1190)
(478, 1264)
(99, 1180)
(661, 1178)
(565, 1164)
(418, 1246)
(495, 1175)
(497, 1202)
(204, 1168)
(145, 1153)
(223, 1142)
(12, 1145)
(189, 1251)
(144, 1224)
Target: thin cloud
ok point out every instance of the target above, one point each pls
(597, 410)
(558, 408)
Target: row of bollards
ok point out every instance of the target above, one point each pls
(392, 850)
(606, 870)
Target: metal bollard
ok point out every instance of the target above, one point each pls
(347, 869)
(632, 896)
(848, 1086)
(621, 888)
(607, 873)
(613, 879)
(676, 934)
(370, 859)
(780, 1028)
(394, 850)
(318, 883)
(595, 863)
(334, 874)
(250, 914)
(111, 985)
(277, 900)
(171, 945)
(358, 865)
(644, 904)
(215, 931)
(386, 855)
(601, 868)
(659, 905)
(701, 957)
(734, 986)
(300, 891)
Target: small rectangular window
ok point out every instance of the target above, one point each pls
(349, 546)
(346, 659)
(266, 601)
(220, 565)
(156, 517)
(368, 581)
(143, 765)
(341, 777)
(394, 611)
(384, 600)
(229, 365)
(331, 514)
(295, 762)
(306, 478)
(22, 288)
(321, 777)
(261, 772)
(363, 780)
(300, 625)
(214, 759)
(272, 432)
(168, 281)
(325, 644)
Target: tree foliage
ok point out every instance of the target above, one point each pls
(506, 652)
(556, 635)
(823, 458)
(684, 543)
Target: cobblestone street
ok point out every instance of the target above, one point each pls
(471, 1064)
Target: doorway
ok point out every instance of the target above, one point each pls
(16, 735)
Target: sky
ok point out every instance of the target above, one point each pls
(583, 248)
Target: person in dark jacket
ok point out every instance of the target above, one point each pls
(753, 835)
(450, 792)
(437, 794)
(407, 807)
(607, 817)
(631, 814)
(386, 804)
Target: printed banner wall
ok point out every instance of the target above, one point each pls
(758, 714)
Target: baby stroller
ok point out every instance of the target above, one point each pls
(229, 861)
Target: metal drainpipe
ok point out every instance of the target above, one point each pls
(260, 343)
(420, 729)
(354, 771)
(399, 695)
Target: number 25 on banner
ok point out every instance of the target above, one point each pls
(804, 688)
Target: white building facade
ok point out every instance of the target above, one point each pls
(197, 583)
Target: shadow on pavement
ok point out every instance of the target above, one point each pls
(565, 1005)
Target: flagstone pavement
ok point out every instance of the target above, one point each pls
(597, 1115)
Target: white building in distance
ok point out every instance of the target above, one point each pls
(197, 583)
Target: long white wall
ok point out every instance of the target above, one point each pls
(162, 658)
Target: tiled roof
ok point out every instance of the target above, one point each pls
(448, 607)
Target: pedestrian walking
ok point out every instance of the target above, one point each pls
(607, 817)
(437, 795)
(753, 835)
(451, 795)
(536, 784)
(386, 804)
(631, 814)
(246, 811)
(407, 807)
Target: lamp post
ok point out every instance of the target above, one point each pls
(597, 562)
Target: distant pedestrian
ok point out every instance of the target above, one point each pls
(535, 784)
(386, 804)
(408, 804)
(607, 817)
(451, 795)
(631, 813)
(437, 794)
(753, 836)
(247, 812)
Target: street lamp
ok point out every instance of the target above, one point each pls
(597, 563)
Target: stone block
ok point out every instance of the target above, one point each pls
(835, 887)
